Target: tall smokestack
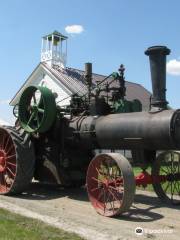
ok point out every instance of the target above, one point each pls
(157, 57)
(88, 77)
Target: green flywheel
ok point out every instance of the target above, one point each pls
(37, 109)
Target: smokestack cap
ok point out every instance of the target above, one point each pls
(157, 50)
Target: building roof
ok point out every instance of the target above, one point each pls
(73, 80)
(56, 33)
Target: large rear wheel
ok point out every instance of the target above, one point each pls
(16, 161)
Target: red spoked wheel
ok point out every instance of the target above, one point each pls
(110, 184)
(16, 161)
(7, 162)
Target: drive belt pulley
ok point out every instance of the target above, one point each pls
(37, 109)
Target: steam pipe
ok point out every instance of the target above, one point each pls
(88, 77)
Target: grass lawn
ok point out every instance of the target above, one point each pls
(16, 227)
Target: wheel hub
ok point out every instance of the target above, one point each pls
(105, 183)
(173, 177)
(2, 161)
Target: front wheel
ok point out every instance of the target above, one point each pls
(110, 184)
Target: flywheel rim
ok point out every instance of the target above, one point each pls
(37, 109)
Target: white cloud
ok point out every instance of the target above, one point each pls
(3, 102)
(2, 122)
(173, 67)
(74, 29)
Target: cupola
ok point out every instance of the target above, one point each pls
(54, 49)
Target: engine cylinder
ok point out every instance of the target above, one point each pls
(140, 130)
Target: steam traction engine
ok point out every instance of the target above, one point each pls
(57, 144)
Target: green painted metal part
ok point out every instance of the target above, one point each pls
(125, 106)
(115, 75)
(37, 109)
(136, 106)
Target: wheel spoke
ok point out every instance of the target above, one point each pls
(104, 200)
(165, 190)
(115, 176)
(176, 188)
(40, 110)
(10, 149)
(97, 180)
(34, 98)
(10, 171)
(113, 195)
(7, 143)
(108, 200)
(40, 101)
(162, 169)
(11, 156)
(98, 171)
(12, 164)
(106, 166)
(114, 188)
(113, 171)
(38, 122)
(100, 195)
(31, 118)
(95, 189)
(168, 167)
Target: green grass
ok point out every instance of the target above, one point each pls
(16, 227)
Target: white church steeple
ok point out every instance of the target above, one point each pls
(54, 49)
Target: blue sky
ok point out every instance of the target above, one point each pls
(115, 32)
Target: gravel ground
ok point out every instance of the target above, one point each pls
(70, 210)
